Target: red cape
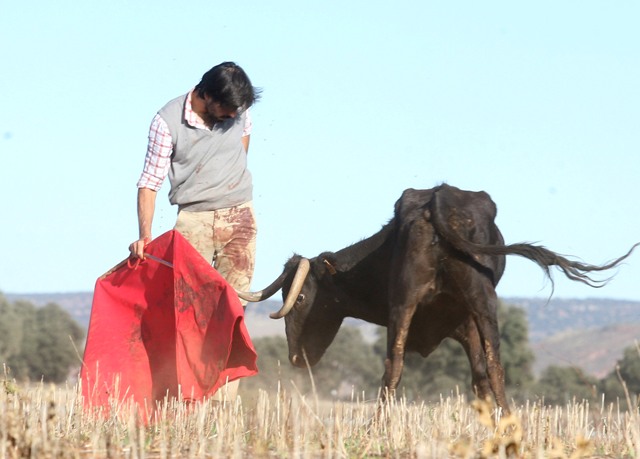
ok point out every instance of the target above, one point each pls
(157, 330)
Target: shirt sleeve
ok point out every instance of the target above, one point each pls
(158, 158)
(248, 125)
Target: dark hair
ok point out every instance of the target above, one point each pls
(228, 85)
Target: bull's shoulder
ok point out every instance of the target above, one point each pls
(469, 214)
(477, 203)
(410, 201)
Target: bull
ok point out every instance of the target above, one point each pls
(430, 273)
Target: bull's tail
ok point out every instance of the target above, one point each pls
(543, 257)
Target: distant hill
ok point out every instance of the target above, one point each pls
(547, 319)
(591, 334)
(594, 350)
(586, 333)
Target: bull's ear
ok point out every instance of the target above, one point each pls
(332, 269)
(329, 263)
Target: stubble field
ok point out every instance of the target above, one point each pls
(43, 421)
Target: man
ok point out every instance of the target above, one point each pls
(200, 141)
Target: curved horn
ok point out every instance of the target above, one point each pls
(265, 293)
(296, 286)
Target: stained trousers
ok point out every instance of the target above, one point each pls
(226, 238)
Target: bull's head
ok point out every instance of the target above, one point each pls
(311, 318)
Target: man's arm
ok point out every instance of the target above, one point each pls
(245, 142)
(156, 167)
(146, 209)
(246, 131)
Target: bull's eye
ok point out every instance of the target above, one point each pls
(300, 298)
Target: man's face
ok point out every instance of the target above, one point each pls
(218, 112)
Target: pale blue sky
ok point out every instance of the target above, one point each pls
(536, 103)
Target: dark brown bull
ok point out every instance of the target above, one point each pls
(429, 274)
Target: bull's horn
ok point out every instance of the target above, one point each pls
(265, 293)
(296, 286)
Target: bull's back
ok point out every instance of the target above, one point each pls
(465, 219)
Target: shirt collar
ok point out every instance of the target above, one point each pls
(191, 117)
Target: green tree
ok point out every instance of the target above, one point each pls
(273, 364)
(560, 385)
(26, 357)
(10, 330)
(38, 343)
(629, 369)
(515, 354)
(442, 372)
(447, 370)
(58, 338)
(349, 364)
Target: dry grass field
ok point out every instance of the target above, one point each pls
(45, 421)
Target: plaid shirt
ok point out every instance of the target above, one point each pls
(160, 148)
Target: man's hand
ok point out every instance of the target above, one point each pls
(137, 247)
(146, 207)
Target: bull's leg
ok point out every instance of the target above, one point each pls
(487, 322)
(412, 280)
(397, 333)
(467, 335)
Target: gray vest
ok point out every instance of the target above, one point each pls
(208, 167)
